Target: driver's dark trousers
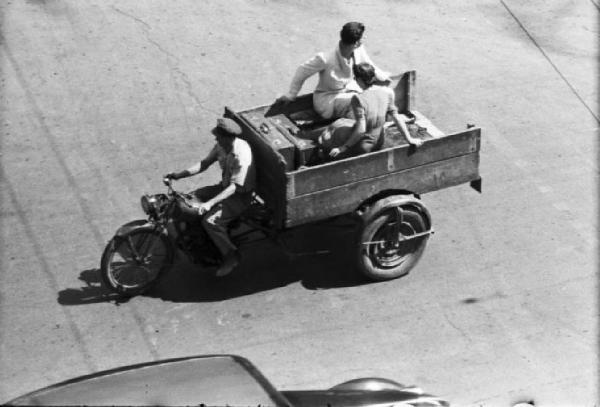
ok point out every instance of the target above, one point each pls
(220, 215)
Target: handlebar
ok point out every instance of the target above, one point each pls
(172, 191)
(169, 184)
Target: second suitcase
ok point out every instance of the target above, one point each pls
(273, 135)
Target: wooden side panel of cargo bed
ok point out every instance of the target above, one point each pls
(369, 166)
(346, 198)
(270, 169)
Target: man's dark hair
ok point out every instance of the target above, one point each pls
(365, 72)
(352, 32)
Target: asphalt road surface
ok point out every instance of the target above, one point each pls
(100, 98)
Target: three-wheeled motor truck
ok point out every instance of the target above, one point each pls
(295, 187)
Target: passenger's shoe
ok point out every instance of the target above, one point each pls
(231, 262)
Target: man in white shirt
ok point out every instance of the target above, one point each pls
(222, 203)
(331, 98)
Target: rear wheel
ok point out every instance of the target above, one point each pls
(393, 238)
(134, 261)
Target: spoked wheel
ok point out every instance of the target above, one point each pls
(134, 261)
(393, 238)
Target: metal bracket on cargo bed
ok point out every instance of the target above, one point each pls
(403, 238)
(476, 184)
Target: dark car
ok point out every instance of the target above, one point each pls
(216, 380)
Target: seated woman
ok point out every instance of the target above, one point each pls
(363, 130)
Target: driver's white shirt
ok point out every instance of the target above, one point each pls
(237, 166)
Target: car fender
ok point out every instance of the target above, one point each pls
(371, 384)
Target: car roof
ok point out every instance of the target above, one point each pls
(208, 380)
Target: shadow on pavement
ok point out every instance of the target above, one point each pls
(323, 258)
(93, 291)
(266, 266)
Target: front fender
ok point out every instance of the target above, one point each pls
(134, 224)
(394, 201)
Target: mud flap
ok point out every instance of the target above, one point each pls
(476, 184)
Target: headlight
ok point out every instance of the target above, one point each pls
(148, 204)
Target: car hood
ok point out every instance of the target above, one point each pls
(208, 380)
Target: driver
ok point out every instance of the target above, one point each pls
(224, 202)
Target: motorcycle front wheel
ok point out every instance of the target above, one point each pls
(134, 261)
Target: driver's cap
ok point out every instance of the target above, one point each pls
(227, 127)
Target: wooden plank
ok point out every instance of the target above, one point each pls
(270, 169)
(346, 198)
(405, 91)
(338, 173)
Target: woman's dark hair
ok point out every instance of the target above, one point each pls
(365, 72)
(352, 32)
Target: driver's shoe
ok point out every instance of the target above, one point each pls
(232, 259)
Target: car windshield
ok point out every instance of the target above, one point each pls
(218, 380)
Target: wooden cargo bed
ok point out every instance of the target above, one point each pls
(299, 195)
(341, 186)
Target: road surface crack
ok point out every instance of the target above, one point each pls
(456, 327)
(172, 61)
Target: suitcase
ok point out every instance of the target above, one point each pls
(270, 132)
(304, 149)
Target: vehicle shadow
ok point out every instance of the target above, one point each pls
(320, 260)
(319, 256)
(91, 293)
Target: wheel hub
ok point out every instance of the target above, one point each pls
(389, 252)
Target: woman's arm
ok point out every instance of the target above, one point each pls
(400, 121)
